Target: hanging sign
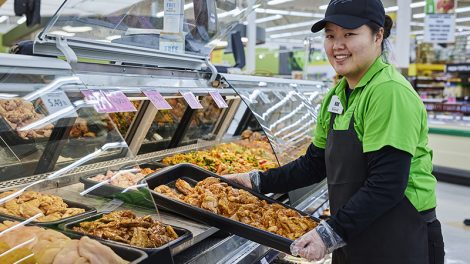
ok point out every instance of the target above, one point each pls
(157, 100)
(119, 100)
(56, 101)
(439, 21)
(101, 103)
(218, 99)
(191, 99)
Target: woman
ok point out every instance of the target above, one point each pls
(371, 144)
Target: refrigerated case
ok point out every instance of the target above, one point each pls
(69, 147)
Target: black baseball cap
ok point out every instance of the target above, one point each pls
(352, 14)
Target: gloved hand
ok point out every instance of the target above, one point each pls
(240, 178)
(318, 242)
(310, 246)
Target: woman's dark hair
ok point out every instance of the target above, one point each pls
(387, 28)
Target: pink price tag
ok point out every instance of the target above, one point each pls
(120, 101)
(191, 99)
(218, 99)
(101, 103)
(157, 100)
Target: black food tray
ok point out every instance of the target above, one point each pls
(192, 173)
(88, 210)
(129, 254)
(183, 235)
(112, 191)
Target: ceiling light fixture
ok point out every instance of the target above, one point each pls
(290, 34)
(289, 26)
(288, 13)
(265, 19)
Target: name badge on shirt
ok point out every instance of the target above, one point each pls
(335, 105)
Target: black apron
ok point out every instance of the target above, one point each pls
(398, 236)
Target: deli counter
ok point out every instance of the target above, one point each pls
(84, 143)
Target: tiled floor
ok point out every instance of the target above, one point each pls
(453, 206)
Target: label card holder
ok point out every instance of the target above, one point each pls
(56, 101)
(218, 99)
(157, 100)
(119, 100)
(191, 99)
(101, 103)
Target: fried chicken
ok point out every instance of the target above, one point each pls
(218, 197)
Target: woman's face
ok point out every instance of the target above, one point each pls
(352, 51)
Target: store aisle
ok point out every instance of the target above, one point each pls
(453, 206)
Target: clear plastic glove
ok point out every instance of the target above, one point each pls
(315, 244)
(240, 178)
(310, 246)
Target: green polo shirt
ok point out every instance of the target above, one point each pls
(387, 112)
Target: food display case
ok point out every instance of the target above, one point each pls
(90, 132)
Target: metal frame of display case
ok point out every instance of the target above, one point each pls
(207, 245)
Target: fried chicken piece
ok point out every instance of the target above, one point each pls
(163, 189)
(140, 238)
(210, 202)
(28, 210)
(183, 187)
(72, 211)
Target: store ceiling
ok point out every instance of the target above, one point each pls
(284, 20)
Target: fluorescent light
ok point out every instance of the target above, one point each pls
(391, 9)
(289, 26)
(244, 39)
(186, 6)
(3, 19)
(463, 19)
(462, 9)
(77, 29)
(277, 2)
(21, 20)
(323, 7)
(265, 19)
(288, 13)
(418, 4)
(290, 34)
(420, 15)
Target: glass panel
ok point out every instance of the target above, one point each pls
(203, 122)
(285, 113)
(176, 26)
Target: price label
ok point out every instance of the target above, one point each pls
(157, 100)
(218, 99)
(110, 206)
(56, 101)
(100, 102)
(191, 99)
(120, 101)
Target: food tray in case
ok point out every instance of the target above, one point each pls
(112, 191)
(183, 235)
(192, 174)
(132, 255)
(88, 210)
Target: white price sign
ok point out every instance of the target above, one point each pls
(439, 28)
(56, 101)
